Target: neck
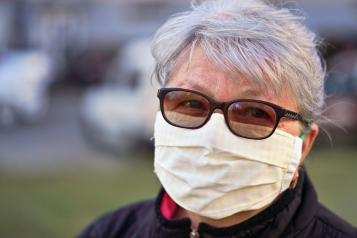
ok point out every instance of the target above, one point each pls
(224, 222)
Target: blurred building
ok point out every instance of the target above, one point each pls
(54, 24)
(50, 24)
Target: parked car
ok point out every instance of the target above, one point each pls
(120, 114)
(24, 79)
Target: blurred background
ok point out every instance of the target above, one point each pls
(77, 109)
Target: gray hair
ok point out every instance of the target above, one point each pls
(268, 45)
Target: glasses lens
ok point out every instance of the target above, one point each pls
(185, 109)
(251, 119)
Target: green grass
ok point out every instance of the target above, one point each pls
(333, 173)
(60, 203)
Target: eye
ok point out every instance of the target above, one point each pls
(192, 104)
(257, 113)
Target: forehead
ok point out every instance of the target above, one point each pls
(201, 75)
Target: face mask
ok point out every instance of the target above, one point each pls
(213, 173)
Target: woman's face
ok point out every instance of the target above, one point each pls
(202, 76)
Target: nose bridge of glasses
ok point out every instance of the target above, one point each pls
(217, 107)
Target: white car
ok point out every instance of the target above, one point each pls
(120, 114)
(24, 78)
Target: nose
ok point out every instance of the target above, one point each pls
(218, 111)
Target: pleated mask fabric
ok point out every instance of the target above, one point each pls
(215, 174)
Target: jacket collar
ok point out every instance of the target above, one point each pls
(278, 219)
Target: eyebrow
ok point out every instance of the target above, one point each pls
(197, 87)
(247, 91)
(251, 92)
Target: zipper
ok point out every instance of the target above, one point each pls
(194, 234)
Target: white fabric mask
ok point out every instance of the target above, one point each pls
(213, 173)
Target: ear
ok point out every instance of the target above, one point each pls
(307, 143)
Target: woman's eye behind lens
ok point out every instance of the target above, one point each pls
(192, 104)
(257, 113)
(248, 113)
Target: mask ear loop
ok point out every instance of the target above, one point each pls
(303, 135)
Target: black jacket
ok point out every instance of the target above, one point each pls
(296, 214)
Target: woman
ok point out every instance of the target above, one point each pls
(241, 98)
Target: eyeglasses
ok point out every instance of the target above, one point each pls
(247, 118)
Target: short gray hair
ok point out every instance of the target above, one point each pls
(267, 44)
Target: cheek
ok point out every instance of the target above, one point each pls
(291, 127)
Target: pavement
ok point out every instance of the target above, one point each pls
(54, 141)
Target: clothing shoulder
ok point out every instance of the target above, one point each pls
(122, 222)
(329, 225)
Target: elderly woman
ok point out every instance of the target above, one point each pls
(242, 94)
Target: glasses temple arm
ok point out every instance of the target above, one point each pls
(295, 116)
(292, 115)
